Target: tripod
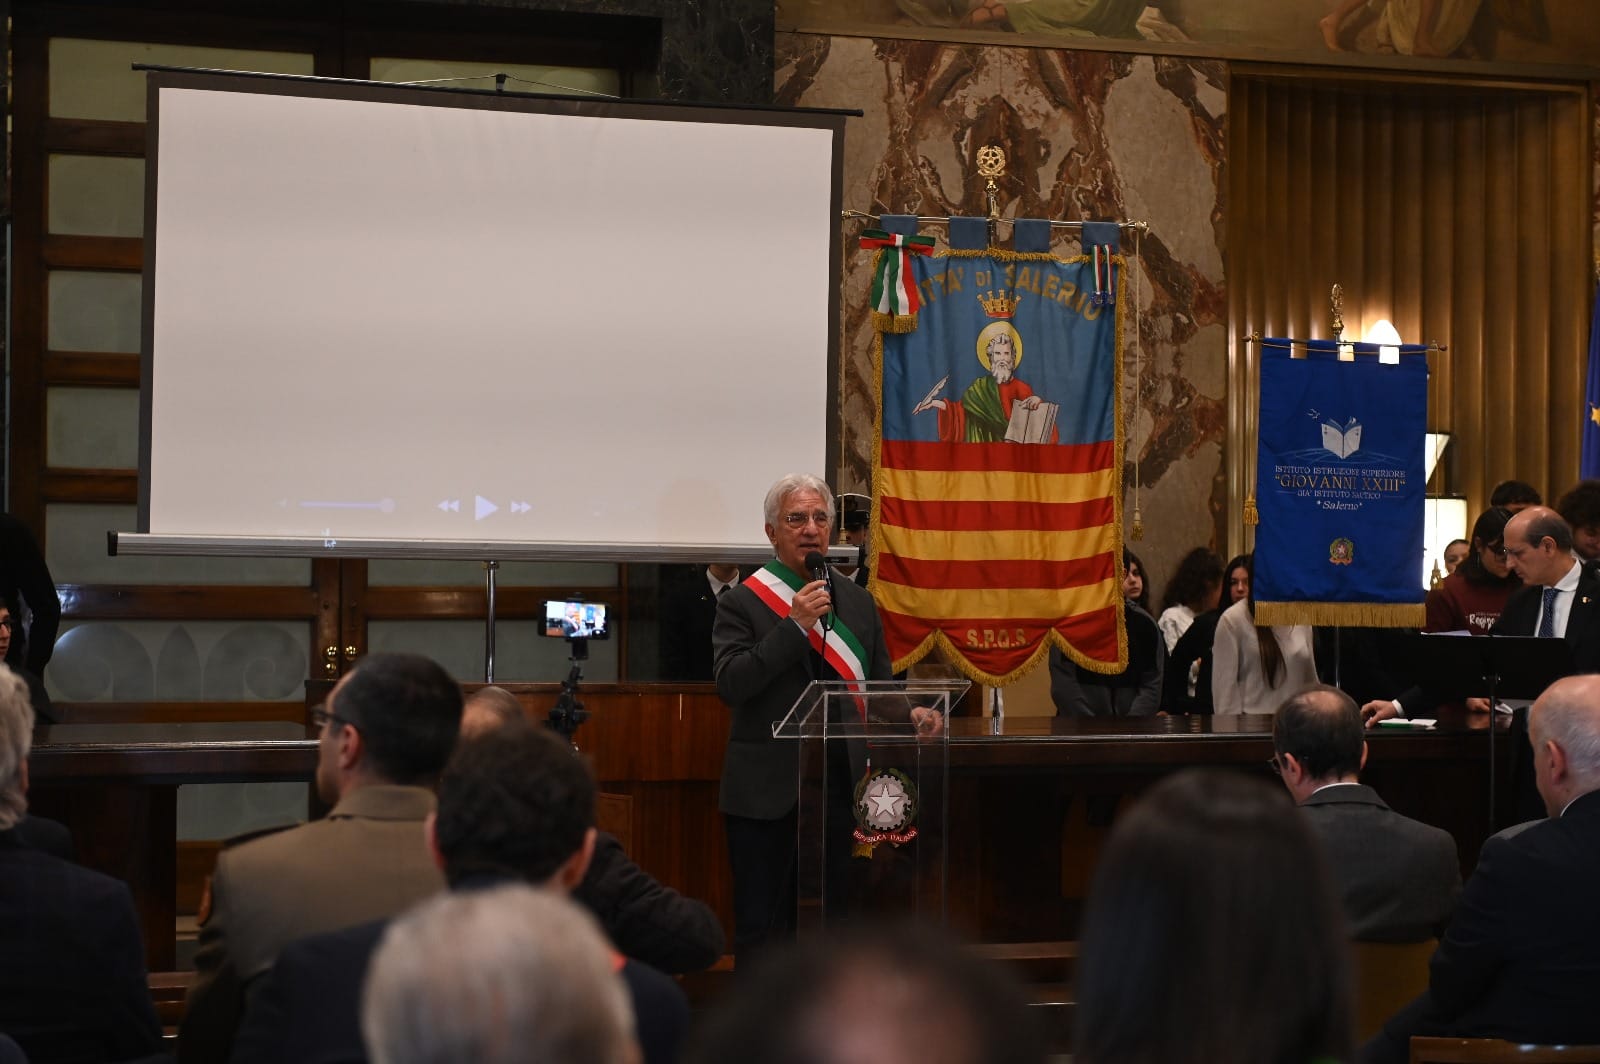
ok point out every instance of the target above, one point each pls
(568, 712)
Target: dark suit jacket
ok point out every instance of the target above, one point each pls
(72, 978)
(45, 834)
(308, 1010)
(1519, 960)
(763, 663)
(646, 920)
(1521, 617)
(1398, 878)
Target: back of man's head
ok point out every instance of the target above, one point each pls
(408, 711)
(516, 801)
(511, 975)
(910, 993)
(16, 740)
(1321, 727)
(1568, 715)
(489, 708)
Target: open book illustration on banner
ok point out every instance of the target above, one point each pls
(1344, 439)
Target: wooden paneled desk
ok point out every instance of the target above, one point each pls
(1030, 801)
(116, 786)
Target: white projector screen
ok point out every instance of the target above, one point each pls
(417, 319)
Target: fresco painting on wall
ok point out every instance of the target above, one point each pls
(1496, 31)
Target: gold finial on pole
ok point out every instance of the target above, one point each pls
(1336, 306)
(992, 164)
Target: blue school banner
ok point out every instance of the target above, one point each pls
(1339, 485)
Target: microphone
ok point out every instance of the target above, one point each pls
(817, 565)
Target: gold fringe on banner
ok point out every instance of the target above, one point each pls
(894, 323)
(1342, 614)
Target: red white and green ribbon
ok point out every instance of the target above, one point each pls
(1105, 276)
(775, 584)
(894, 294)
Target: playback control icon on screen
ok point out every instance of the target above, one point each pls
(482, 507)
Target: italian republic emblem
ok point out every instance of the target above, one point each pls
(1341, 551)
(885, 809)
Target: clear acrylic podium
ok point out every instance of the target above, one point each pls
(873, 800)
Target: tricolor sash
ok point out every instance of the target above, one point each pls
(775, 585)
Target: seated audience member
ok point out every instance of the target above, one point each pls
(387, 729)
(1521, 959)
(1133, 692)
(29, 590)
(1254, 666)
(37, 696)
(1194, 589)
(72, 978)
(1580, 508)
(1455, 552)
(645, 919)
(1515, 496)
(509, 975)
(1186, 680)
(1211, 934)
(1397, 878)
(489, 708)
(1471, 597)
(883, 992)
(688, 606)
(515, 805)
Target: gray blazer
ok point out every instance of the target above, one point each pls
(763, 662)
(1398, 879)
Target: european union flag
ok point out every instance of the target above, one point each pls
(1589, 462)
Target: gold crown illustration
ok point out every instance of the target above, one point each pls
(1001, 305)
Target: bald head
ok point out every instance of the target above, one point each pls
(1538, 546)
(1564, 727)
(489, 708)
(1318, 737)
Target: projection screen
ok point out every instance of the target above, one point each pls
(383, 320)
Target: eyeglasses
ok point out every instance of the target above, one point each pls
(1508, 552)
(321, 718)
(1275, 764)
(796, 519)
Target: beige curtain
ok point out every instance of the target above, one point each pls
(1458, 210)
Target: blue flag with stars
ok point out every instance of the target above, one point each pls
(1589, 462)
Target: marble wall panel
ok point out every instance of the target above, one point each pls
(1089, 135)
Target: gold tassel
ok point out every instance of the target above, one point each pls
(1252, 516)
(1343, 614)
(898, 324)
(1137, 532)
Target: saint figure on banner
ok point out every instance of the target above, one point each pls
(999, 406)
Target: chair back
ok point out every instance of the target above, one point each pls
(1388, 975)
(1495, 1051)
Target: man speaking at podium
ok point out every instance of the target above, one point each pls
(782, 628)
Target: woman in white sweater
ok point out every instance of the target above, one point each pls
(1254, 669)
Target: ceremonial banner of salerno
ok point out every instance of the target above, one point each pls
(998, 467)
(1339, 485)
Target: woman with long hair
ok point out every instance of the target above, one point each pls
(1255, 667)
(1193, 589)
(1135, 586)
(1471, 598)
(1212, 934)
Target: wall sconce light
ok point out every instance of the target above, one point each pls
(1387, 337)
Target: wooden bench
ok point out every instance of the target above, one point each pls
(1495, 1051)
